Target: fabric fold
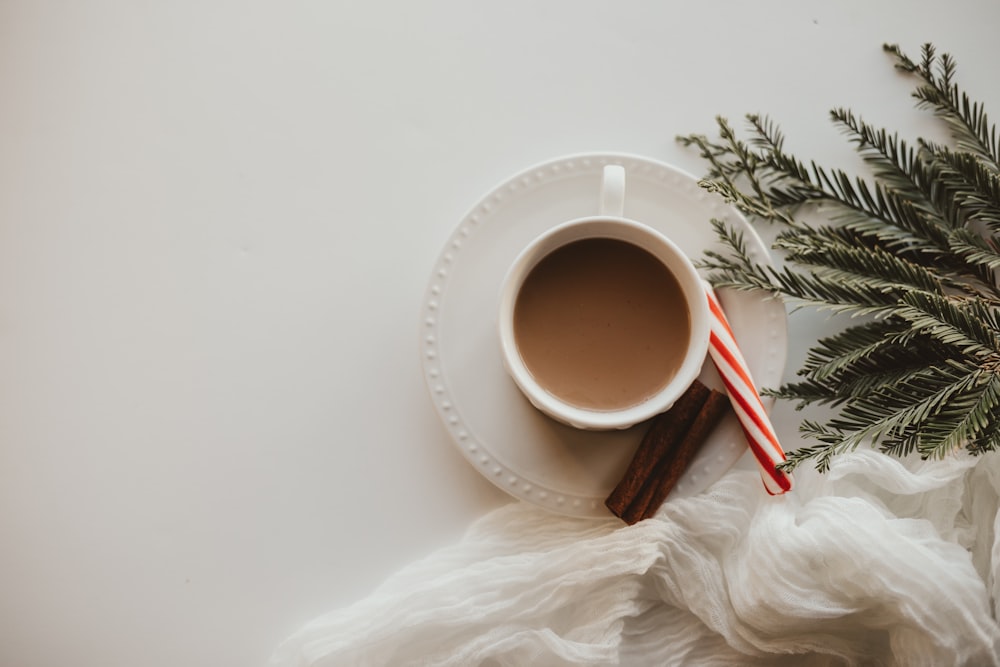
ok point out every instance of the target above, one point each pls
(879, 561)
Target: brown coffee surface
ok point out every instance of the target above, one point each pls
(601, 324)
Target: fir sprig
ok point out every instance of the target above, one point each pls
(913, 246)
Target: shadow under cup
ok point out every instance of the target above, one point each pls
(603, 323)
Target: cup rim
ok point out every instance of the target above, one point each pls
(668, 253)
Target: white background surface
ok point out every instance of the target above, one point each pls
(217, 220)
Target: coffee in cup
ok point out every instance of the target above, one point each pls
(603, 320)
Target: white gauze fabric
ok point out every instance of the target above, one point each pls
(877, 562)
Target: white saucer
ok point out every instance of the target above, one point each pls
(513, 445)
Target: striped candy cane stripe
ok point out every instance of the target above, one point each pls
(746, 401)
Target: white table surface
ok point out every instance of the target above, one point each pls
(217, 222)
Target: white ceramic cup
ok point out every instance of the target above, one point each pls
(609, 223)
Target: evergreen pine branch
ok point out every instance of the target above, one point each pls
(967, 119)
(736, 268)
(837, 392)
(864, 349)
(904, 444)
(965, 421)
(780, 180)
(733, 160)
(955, 323)
(830, 443)
(766, 135)
(860, 360)
(891, 159)
(975, 249)
(889, 414)
(914, 246)
(715, 154)
(855, 261)
(834, 290)
(972, 187)
(921, 245)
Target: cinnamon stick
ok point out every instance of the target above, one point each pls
(665, 452)
(663, 432)
(673, 466)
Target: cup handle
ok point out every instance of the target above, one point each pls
(613, 191)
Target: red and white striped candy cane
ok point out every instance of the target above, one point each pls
(746, 401)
